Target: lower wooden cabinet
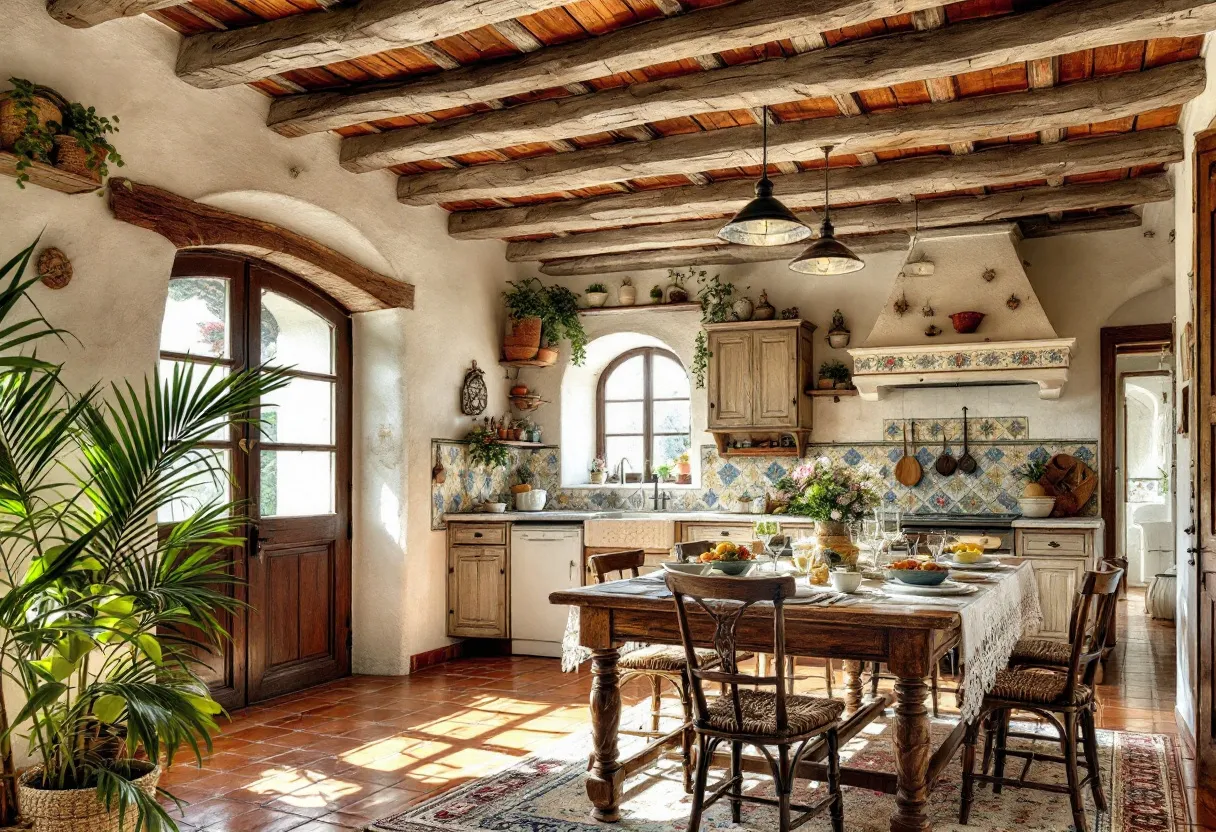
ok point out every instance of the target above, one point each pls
(478, 585)
(1060, 558)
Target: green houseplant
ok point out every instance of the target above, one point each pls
(834, 372)
(485, 450)
(715, 297)
(562, 322)
(596, 295)
(527, 303)
(82, 145)
(27, 113)
(95, 596)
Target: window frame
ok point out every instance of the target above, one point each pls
(648, 401)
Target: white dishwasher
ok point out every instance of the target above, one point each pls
(544, 559)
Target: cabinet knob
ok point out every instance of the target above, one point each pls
(711, 405)
(1189, 529)
(476, 534)
(1053, 544)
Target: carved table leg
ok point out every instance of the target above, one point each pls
(604, 779)
(852, 685)
(912, 753)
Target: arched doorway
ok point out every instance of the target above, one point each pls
(231, 312)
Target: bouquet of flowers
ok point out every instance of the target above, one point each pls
(823, 490)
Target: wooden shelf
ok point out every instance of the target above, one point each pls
(48, 176)
(527, 362)
(834, 395)
(642, 307)
(519, 443)
(793, 452)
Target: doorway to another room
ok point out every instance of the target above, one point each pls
(1144, 507)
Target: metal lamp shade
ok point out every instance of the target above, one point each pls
(827, 256)
(765, 221)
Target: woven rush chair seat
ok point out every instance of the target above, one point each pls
(804, 713)
(1041, 651)
(667, 659)
(1043, 687)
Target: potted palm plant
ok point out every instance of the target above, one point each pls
(96, 598)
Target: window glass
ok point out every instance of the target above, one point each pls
(623, 417)
(627, 380)
(210, 484)
(295, 336)
(670, 380)
(296, 483)
(646, 412)
(629, 448)
(201, 375)
(302, 413)
(196, 317)
(672, 416)
(667, 448)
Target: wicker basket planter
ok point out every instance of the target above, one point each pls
(12, 122)
(75, 810)
(522, 339)
(71, 156)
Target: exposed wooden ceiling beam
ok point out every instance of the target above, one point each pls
(739, 255)
(710, 256)
(719, 29)
(220, 59)
(1008, 164)
(81, 14)
(1054, 29)
(866, 219)
(983, 117)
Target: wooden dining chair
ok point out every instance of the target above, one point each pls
(1063, 697)
(692, 550)
(748, 713)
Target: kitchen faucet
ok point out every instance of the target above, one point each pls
(656, 496)
(620, 470)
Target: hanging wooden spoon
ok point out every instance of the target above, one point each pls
(907, 470)
(438, 473)
(966, 462)
(945, 464)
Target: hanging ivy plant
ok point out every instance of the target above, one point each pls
(485, 450)
(561, 322)
(715, 297)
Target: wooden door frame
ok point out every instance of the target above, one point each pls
(1141, 338)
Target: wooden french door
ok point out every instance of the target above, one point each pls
(1203, 557)
(293, 469)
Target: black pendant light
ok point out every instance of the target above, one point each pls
(827, 255)
(765, 221)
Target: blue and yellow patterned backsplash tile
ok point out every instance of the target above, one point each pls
(992, 489)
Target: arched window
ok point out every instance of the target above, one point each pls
(644, 412)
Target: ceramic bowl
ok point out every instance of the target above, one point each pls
(732, 567)
(918, 577)
(1036, 506)
(686, 568)
(845, 581)
(966, 322)
(494, 508)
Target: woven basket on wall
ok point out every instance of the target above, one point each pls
(12, 122)
(75, 810)
(71, 156)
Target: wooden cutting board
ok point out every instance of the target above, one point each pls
(1071, 482)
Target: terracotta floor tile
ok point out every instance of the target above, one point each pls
(259, 820)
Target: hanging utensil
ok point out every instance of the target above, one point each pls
(966, 462)
(945, 464)
(438, 474)
(907, 470)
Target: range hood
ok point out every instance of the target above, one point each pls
(978, 269)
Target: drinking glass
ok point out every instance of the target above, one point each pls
(934, 542)
(804, 552)
(871, 538)
(765, 531)
(890, 522)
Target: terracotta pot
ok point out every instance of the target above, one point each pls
(684, 468)
(12, 122)
(546, 356)
(75, 810)
(826, 384)
(502, 433)
(519, 390)
(523, 336)
(966, 322)
(71, 156)
(517, 434)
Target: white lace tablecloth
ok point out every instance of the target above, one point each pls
(993, 619)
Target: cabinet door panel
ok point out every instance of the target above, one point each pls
(477, 590)
(776, 378)
(730, 379)
(1058, 580)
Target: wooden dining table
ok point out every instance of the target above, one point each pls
(909, 638)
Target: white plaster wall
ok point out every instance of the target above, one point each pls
(1196, 116)
(1081, 280)
(214, 145)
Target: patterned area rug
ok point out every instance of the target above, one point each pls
(544, 793)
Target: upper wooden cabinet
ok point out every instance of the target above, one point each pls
(758, 372)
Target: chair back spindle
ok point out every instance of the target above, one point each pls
(1092, 618)
(688, 552)
(725, 603)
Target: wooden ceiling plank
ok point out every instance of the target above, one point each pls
(867, 219)
(710, 256)
(220, 59)
(800, 191)
(700, 33)
(912, 56)
(984, 117)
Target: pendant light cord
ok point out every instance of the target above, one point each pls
(827, 184)
(764, 142)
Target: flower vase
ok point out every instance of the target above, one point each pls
(834, 535)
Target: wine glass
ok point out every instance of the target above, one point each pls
(890, 522)
(935, 542)
(765, 531)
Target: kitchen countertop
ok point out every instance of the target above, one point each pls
(1058, 523)
(581, 516)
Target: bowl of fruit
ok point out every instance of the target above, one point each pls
(729, 558)
(917, 573)
(967, 552)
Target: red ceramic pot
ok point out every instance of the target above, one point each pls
(966, 322)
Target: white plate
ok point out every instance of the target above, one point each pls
(946, 587)
(982, 563)
(686, 568)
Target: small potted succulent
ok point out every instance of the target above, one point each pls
(598, 471)
(838, 335)
(833, 374)
(596, 295)
(627, 295)
(656, 293)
